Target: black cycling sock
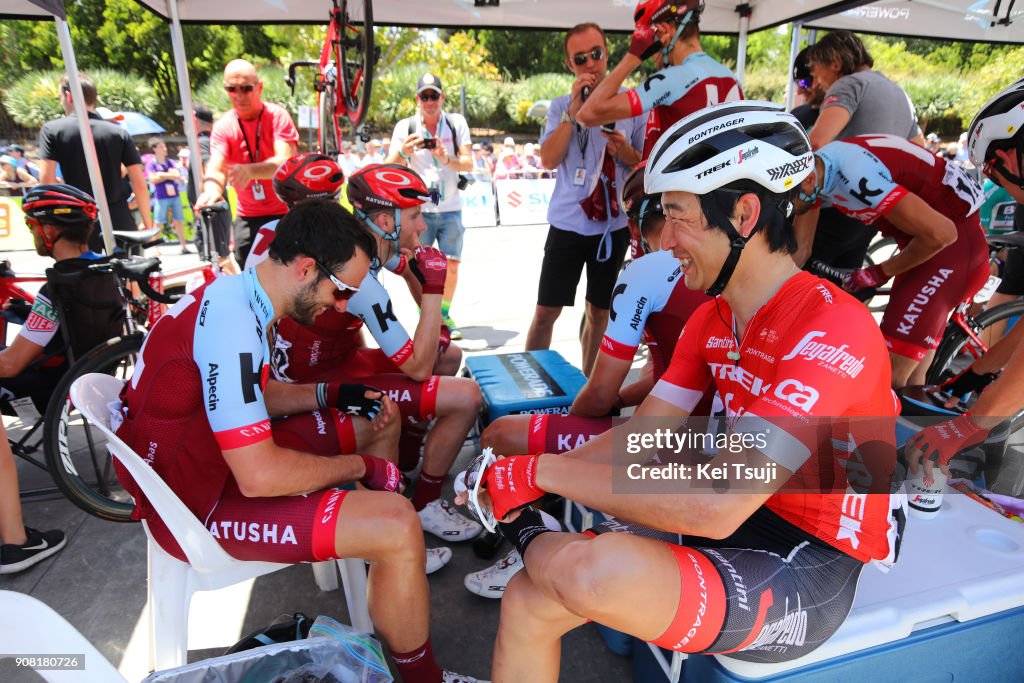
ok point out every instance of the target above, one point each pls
(530, 524)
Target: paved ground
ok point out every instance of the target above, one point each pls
(98, 581)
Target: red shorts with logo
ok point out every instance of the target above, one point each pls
(561, 433)
(923, 297)
(286, 529)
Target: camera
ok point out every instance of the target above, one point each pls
(608, 127)
(465, 181)
(429, 143)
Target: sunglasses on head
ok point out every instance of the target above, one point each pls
(248, 87)
(580, 58)
(429, 95)
(342, 292)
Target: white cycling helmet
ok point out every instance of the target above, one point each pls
(999, 125)
(735, 147)
(746, 140)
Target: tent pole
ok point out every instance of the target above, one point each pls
(195, 164)
(744, 11)
(794, 50)
(85, 131)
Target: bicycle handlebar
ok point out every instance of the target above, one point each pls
(290, 79)
(212, 209)
(138, 271)
(822, 269)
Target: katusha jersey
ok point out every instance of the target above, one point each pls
(867, 175)
(197, 390)
(812, 360)
(650, 303)
(677, 91)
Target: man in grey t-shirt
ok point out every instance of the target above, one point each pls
(873, 104)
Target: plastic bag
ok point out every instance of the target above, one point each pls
(333, 653)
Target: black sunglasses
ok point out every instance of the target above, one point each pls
(342, 292)
(805, 83)
(247, 88)
(580, 58)
(429, 95)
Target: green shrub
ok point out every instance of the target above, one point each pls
(274, 90)
(34, 99)
(522, 94)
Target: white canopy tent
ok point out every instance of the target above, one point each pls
(720, 16)
(989, 21)
(54, 9)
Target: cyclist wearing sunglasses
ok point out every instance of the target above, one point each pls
(688, 78)
(810, 97)
(200, 405)
(436, 145)
(995, 143)
(587, 226)
(246, 147)
(388, 199)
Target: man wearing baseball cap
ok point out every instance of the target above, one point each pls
(437, 146)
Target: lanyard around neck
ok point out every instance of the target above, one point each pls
(253, 158)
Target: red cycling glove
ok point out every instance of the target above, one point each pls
(644, 42)
(511, 483)
(430, 266)
(865, 278)
(942, 441)
(382, 475)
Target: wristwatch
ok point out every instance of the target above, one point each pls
(566, 118)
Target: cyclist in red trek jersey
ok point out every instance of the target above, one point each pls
(766, 571)
(930, 207)
(688, 78)
(198, 409)
(650, 303)
(387, 198)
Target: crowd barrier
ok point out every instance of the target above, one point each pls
(508, 201)
(14, 235)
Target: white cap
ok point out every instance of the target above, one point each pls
(107, 114)
(509, 142)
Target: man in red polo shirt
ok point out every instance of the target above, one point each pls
(247, 145)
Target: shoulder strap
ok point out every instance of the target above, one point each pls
(455, 143)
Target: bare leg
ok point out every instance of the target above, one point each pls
(627, 582)
(458, 404)
(383, 528)
(508, 435)
(451, 280)
(596, 322)
(179, 230)
(902, 368)
(382, 443)
(539, 335)
(919, 373)
(12, 527)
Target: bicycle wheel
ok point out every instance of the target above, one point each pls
(357, 58)
(950, 358)
(76, 454)
(879, 251)
(329, 137)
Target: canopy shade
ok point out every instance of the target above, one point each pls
(989, 21)
(720, 16)
(31, 9)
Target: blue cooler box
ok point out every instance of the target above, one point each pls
(951, 609)
(525, 383)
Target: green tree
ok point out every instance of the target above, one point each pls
(33, 99)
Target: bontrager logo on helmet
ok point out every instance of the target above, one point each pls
(734, 141)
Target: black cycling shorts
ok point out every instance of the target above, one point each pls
(245, 229)
(770, 592)
(565, 254)
(1013, 274)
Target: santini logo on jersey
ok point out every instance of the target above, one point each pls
(791, 168)
(833, 358)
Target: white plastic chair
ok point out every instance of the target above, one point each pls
(31, 626)
(209, 567)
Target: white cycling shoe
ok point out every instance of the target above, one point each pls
(491, 582)
(437, 558)
(440, 519)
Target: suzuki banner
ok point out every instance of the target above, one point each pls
(524, 201)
